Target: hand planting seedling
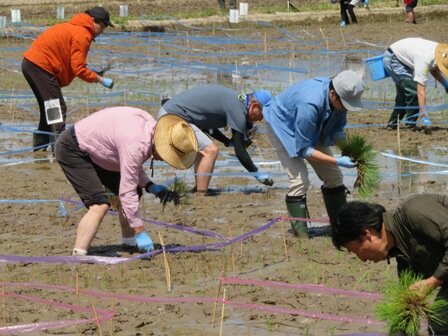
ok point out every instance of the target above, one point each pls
(357, 148)
(403, 308)
(180, 191)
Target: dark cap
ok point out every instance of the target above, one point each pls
(100, 14)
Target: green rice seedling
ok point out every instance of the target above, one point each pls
(403, 308)
(181, 191)
(357, 147)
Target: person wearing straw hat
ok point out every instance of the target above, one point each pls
(55, 58)
(415, 233)
(303, 122)
(210, 107)
(107, 150)
(409, 61)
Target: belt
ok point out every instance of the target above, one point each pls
(390, 50)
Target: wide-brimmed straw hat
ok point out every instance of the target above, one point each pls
(175, 141)
(442, 58)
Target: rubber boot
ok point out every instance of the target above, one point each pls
(334, 199)
(296, 206)
(411, 102)
(40, 140)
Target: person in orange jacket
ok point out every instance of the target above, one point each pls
(55, 58)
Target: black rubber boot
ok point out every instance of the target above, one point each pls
(296, 206)
(40, 140)
(334, 199)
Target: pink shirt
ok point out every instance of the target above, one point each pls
(120, 139)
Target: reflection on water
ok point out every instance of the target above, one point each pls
(398, 177)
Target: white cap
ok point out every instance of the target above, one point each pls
(349, 87)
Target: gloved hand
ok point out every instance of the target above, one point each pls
(144, 242)
(366, 3)
(107, 82)
(264, 178)
(162, 192)
(426, 122)
(345, 161)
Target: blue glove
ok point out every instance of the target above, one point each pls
(264, 178)
(366, 3)
(162, 192)
(426, 122)
(346, 162)
(107, 82)
(144, 242)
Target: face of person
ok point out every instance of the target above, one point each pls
(254, 113)
(98, 28)
(336, 102)
(371, 247)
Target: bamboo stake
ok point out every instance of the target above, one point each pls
(97, 320)
(399, 153)
(77, 284)
(265, 43)
(222, 312)
(111, 325)
(232, 255)
(216, 301)
(342, 35)
(4, 306)
(284, 239)
(167, 266)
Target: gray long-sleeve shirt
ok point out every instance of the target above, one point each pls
(420, 229)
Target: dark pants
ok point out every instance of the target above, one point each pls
(88, 179)
(346, 7)
(45, 86)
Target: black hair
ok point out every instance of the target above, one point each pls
(353, 219)
(332, 88)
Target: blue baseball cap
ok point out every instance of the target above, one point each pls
(262, 96)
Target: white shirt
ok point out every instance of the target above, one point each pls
(418, 54)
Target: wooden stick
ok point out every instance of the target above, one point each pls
(167, 266)
(284, 239)
(77, 283)
(222, 312)
(232, 256)
(216, 301)
(265, 43)
(4, 305)
(111, 325)
(97, 320)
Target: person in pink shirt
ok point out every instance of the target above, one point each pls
(107, 150)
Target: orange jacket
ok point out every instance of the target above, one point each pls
(62, 50)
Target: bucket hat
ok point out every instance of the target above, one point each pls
(442, 58)
(100, 14)
(349, 87)
(175, 141)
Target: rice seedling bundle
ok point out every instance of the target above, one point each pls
(403, 309)
(362, 152)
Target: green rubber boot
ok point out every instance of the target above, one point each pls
(334, 199)
(296, 206)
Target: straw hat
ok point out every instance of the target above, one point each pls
(442, 58)
(175, 141)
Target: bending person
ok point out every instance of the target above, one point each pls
(209, 107)
(304, 121)
(415, 233)
(55, 58)
(108, 149)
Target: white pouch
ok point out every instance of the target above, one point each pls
(53, 111)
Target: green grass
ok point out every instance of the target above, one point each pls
(403, 309)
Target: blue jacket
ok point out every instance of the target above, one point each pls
(301, 117)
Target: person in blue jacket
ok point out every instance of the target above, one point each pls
(303, 122)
